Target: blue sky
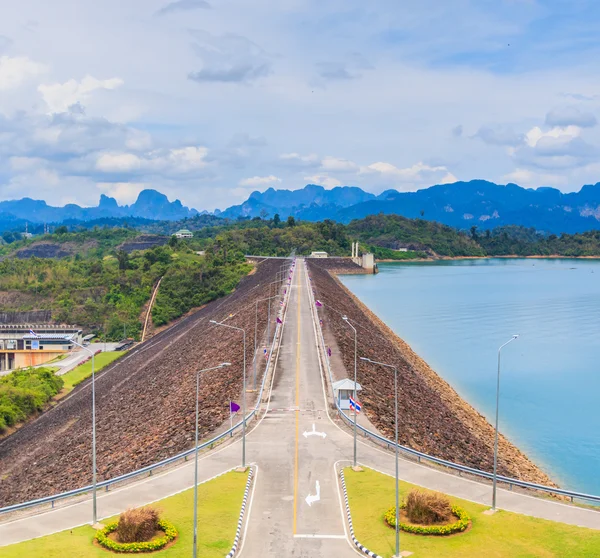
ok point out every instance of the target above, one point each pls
(208, 100)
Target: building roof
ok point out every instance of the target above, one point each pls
(183, 231)
(346, 383)
(43, 336)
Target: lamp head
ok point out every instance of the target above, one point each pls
(366, 359)
(516, 336)
(345, 318)
(225, 364)
(212, 322)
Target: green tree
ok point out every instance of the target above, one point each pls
(291, 222)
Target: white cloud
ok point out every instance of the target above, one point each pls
(417, 175)
(566, 116)
(60, 96)
(172, 161)
(300, 160)
(118, 162)
(566, 133)
(525, 177)
(338, 165)
(15, 71)
(323, 180)
(257, 181)
(123, 192)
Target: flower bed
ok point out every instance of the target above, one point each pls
(149, 546)
(440, 530)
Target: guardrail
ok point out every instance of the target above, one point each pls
(149, 468)
(424, 456)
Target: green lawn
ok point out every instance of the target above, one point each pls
(83, 371)
(512, 535)
(220, 501)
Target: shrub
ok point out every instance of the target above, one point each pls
(136, 547)
(137, 525)
(438, 530)
(427, 508)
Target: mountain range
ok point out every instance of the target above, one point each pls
(461, 205)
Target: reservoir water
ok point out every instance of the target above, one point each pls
(455, 315)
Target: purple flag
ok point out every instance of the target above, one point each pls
(279, 320)
(329, 351)
(318, 303)
(233, 407)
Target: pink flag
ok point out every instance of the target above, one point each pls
(318, 303)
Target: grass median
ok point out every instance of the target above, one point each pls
(220, 501)
(371, 494)
(84, 371)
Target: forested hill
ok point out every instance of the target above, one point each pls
(102, 279)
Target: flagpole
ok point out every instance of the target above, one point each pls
(230, 418)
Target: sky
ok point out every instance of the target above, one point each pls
(209, 100)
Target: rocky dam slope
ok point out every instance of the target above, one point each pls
(145, 401)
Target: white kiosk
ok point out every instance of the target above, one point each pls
(343, 390)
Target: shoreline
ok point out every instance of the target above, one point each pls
(442, 423)
(508, 257)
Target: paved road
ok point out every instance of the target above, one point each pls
(281, 522)
(293, 466)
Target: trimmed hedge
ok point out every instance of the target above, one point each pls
(439, 530)
(136, 547)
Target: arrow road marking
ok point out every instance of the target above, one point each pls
(314, 433)
(310, 499)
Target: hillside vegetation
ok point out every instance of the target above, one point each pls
(25, 392)
(102, 279)
(105, 289)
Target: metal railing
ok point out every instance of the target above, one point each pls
(424, 456)
(149, 468)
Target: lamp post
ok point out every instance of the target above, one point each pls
(397, 555)
(255, 332)
(244, 395)
(195, 553)
(94, 480)
(345, 318)
(496, 434)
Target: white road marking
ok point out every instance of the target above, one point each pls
(310, 499)
(314, 433)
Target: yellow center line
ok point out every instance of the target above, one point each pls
(299, 295)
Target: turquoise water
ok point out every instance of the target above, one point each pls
(456, 314)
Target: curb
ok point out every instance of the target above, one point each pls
(360, 547)
(238, 532)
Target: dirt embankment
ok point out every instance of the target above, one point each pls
(433, 418)
(144, 402)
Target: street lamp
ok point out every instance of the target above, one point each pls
(244, 395)
(496, 435)
(256, 327)
(397, 555)
(70, 340)
(345, 318)
(195, 554)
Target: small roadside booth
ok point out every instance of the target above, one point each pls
(343, 390)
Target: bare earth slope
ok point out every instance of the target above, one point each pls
(145, 401)
(433, 418)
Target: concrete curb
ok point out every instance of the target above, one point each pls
(238, 532)
(360, 547)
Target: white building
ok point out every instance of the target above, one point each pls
(318, 254)
(343, 390)
(184, 233)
